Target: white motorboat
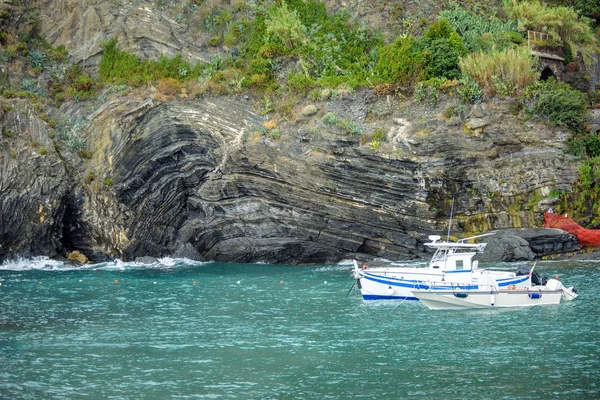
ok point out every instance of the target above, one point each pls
(492, 297)
(451, 267)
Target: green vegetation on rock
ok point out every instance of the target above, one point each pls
(558, 103)
(280, 52)
(118, 67)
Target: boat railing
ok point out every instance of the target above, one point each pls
(476, 237)
(445, 285)
(460, 286)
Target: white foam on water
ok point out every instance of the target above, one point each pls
(176, 262)
(42, 263)
(160, 263)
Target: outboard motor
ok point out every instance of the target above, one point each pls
(536, 279)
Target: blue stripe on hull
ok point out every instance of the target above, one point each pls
(416, 285)
(377, 297)
(515, 281)
(386, 281)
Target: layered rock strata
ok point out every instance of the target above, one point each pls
(204, 180)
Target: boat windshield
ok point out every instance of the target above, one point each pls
(453, 256)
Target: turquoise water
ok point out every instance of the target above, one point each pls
(276, 332)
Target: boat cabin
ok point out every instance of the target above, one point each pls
(453, 256)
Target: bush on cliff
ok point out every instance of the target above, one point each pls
(442, 48)
(481, 33)
(118, 67)
(331, 48)
(285, 27)
(584, 201)
(558, 103)
(400, 63)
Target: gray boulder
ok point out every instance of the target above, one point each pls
(507, 248)
(188, 251)
(527, 244)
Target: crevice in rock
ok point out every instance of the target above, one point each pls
(73, 235)
(368, 247)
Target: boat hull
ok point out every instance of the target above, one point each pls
(467, 299)
(382, 287)
(399, 285)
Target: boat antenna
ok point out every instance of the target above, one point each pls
(450, 224)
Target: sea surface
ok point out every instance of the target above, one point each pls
(183, 330)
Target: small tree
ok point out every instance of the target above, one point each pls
(399, 62)
(285, 26)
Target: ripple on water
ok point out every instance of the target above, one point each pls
(79, 334)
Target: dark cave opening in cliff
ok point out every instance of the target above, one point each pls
(546, 74)
(70, 225)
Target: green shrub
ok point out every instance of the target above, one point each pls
(300, 83)
(331, 119)
(230, 39)
(592, 145)
(91, 177)
(379, 135)
(442, 49)
(589, 8)
(374, 144)
(284, 25)
(223, 18)
(43, 151)
(274, 133)
(84, 86)
(117, 66)
(58, 53)
(350, 127)
(469, 91)
(589, 173)
(586, 197)
(428, 91)
(260, 66)
(108, 182)
(472, 28)
(85, 154)
(343, 124)
(558, 103)
(399, 62)
(215, 40)
(332, 48)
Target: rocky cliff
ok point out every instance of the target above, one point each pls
(198, 178)
(204, 179)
